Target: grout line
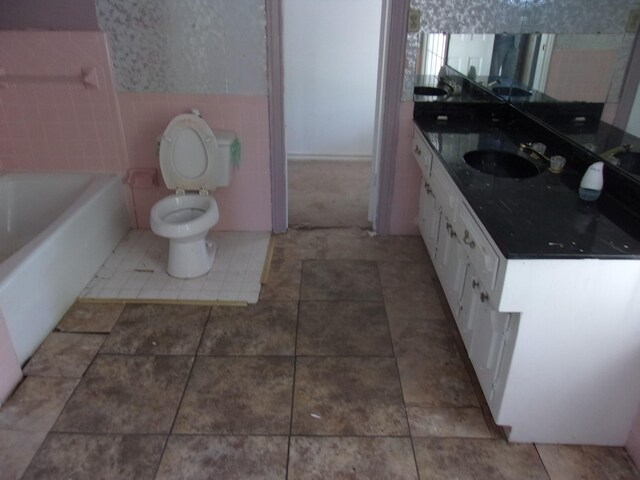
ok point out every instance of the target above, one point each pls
(404, 403)
(293, 383)
(184, 390)
(535, 445)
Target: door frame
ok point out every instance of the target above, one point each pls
(390, 83)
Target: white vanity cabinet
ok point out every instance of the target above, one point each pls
(555, 343)
(466, 264)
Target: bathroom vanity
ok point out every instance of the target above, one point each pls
(542, 285)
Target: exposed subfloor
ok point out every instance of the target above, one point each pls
(137, 270)
(349, 366)
(328, 193)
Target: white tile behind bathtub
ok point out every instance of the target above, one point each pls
(137, 270)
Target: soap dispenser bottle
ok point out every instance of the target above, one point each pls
(591, 183)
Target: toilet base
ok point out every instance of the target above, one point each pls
(190, 258)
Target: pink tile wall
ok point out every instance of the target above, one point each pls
(49, 122)
(633, 444)
(246, 203)
(10, 372)
(406, 185)
(582, 75)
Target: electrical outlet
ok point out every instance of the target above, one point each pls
(413, 23)
(633, 20)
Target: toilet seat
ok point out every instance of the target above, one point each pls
(181, 216)
(188, 150)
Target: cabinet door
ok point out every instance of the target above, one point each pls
(469, 309)
(450, 263)
(488, 343)
(429, 214)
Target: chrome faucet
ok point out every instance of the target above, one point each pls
(609, 155)
(535, 149)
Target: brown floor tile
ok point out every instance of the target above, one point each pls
(294, 238)
(473, 459)
(127, 394)
(429, 383)
(64, 355)
(396, 248)
(91, 317)
(447, 422)
(348, 396)
(203, 457)
(416, 302)
(64, 456)
(36, 404)
(346, 248)
(283, 285)
(406, 274)
(16, 451)
(431, 338)
(290, 258)
(318, 458)
(343, 328)
(569, 462)
(238, 395)
(265, 328)
(148, 329)
(340, 280)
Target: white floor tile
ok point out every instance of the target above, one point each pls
(137, 269)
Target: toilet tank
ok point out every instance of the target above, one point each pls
(223, 164)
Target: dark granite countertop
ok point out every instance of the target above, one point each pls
(538, 217)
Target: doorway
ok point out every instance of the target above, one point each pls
(331, 79)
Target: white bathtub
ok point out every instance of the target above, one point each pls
(56, 230)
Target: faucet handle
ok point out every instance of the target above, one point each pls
(539, 147)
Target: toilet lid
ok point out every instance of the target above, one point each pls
(187, 152)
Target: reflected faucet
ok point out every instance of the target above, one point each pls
(609, 155)
(535, 149)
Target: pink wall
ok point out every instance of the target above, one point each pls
(406, 184)
(246, 203)
(633, 443)
(582, 75)
(49, 124)
(10, 373)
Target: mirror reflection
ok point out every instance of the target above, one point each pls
(527, 67)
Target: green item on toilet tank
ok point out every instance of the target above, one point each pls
(235, 153)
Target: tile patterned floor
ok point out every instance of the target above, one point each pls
(348, 367)
(137, 270)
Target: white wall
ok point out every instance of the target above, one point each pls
(330, 76)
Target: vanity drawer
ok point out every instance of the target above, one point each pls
(422, 153)
(481, 254)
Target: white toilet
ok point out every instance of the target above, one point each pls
(194, 160)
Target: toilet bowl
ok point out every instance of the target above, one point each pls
(194, 160)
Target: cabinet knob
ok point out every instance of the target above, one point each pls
(484, 297)
(468, 240)
(475, 283)
(417, 150)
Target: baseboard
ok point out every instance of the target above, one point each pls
(305, 157)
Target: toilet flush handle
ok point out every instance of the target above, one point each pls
(196, 112)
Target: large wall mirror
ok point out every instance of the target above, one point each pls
(535, 67)
(578, 65)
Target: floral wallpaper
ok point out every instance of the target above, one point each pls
(187, 46)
